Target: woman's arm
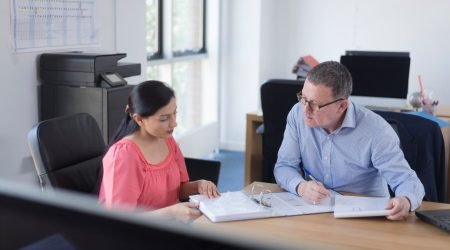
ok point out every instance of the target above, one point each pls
(204, 187)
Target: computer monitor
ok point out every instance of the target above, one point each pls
(379, 77)
(31, 219)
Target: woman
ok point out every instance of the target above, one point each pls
(144, 167)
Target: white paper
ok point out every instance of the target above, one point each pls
(354, 206)
(290, 204)
(47, 24)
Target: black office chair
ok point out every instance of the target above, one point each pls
(277, 98)
(423, 146)
(203, 169)
(67, 152)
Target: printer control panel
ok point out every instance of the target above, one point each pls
(113, 79)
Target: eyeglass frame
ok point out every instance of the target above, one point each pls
(263, 197)
(303, 101)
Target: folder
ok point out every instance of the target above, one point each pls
(238, 205)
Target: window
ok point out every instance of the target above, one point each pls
(177, 54)
(187, 27)
(154, 28)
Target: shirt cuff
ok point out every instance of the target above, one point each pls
(293, 184)
(414, 204)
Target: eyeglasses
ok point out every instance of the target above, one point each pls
(260, 195)
(312, 104)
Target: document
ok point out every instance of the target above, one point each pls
(238, 205)
(354, 206)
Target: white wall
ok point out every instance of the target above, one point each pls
(18, 94)
(239, 82)
(325, 29)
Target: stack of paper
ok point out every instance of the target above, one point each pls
(231, 206)
(353, 206)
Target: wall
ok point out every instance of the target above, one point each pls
(239, 81)
(18, 94)
(325, 29)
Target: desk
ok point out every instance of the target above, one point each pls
(253, 147)
(324, 231)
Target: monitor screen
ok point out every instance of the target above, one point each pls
(378, 74)
(31, 219)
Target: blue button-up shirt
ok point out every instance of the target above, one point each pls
(362, 156)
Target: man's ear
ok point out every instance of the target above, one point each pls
(343, 105)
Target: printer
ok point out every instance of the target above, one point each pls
(86, 69)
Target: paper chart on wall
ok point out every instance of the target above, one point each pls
(38, 25)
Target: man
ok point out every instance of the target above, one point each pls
(343, 146)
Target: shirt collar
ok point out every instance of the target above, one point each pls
(350, 116)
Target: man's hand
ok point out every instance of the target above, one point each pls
(312, 191)
(400, 207)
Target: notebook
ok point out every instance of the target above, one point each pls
(355, 206)
(238, 205)
(439, 218)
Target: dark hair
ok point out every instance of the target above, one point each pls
(334, 75)
(145, 99)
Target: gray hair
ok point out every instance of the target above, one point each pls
(334, 75)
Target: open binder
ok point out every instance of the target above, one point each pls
(238, 205)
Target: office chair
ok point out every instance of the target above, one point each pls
(67, 152)
(423, 146)
(203, 169)
(277, 98)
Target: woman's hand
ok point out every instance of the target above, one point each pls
(184, 212)
(207, 188)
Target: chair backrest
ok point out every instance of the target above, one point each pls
(423, 146)
(277, 98)
(203, 169)
(67, 152)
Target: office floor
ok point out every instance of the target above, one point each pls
(231, 176)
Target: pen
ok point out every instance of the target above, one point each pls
(316, 181)
(313, 179)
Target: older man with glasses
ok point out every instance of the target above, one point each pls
(332, 143)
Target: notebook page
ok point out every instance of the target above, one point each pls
(294, 205)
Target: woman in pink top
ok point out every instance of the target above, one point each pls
(144, 168)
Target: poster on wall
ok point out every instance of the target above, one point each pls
(38, 25)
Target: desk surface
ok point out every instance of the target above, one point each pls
(324, 231)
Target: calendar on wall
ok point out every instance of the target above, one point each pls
(38, 25)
